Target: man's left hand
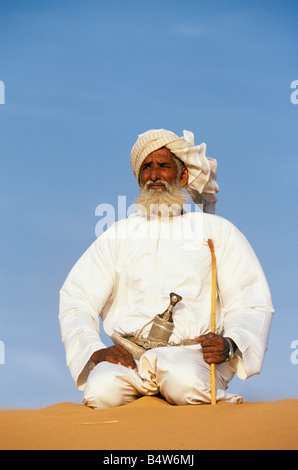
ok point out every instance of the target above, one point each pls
(215, 347)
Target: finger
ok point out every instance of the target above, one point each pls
(124, 357)
(121, 350)
(206, 337)
(199, 339)
(207, 347)
(215, 342)
(123, 361)
(212, 345)
(114, 359)
(213, 358)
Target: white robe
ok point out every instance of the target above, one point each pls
(127, 274)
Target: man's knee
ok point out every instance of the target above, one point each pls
(182, 384)
(182, 376)
(109, 385)
(100, 387)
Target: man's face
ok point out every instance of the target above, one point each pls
(157, 167)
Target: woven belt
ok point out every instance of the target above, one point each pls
(138, 346)
(147, 344)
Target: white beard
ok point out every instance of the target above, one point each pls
(157, 202)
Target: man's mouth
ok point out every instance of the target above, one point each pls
(156, 185)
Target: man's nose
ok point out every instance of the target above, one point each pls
(155, 173)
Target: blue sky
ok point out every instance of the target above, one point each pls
(82, 80)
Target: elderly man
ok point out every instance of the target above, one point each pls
(127, 274)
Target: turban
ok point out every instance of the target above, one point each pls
(201, 170)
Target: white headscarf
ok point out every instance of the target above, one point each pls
(201, 170)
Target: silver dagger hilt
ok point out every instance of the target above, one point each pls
(162, 326)
(167, 315)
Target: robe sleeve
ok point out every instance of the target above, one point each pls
(82, 298)
(246, 303)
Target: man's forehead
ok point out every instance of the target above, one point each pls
(163, 153)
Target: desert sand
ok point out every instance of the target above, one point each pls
(150, 423)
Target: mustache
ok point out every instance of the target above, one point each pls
(149, 182)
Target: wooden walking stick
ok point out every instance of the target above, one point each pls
(213, 315)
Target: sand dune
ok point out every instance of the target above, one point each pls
(152, 424)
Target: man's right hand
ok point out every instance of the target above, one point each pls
(116, 355)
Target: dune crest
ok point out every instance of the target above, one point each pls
(150, 423)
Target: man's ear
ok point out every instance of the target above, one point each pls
(184, 176)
